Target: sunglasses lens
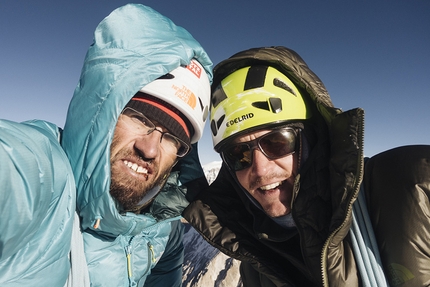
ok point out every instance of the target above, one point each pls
(238, 157)
(273, 145)
(278, 144)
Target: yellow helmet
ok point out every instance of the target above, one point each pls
(251, 98)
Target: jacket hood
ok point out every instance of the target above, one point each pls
(132, 46)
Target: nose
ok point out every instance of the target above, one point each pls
(149, 145)
(259, 163)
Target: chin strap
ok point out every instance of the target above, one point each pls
(150, 195)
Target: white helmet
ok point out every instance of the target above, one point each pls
(187, 88)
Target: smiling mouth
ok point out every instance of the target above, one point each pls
(270, 186)
(135, 167)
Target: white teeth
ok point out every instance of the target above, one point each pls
(135, 167)
(270, 186)
(141, 170)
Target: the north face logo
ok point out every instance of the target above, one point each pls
(186, 95)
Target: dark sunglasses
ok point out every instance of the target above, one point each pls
(275, 144)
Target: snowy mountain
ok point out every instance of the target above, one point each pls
(211, 170)
(205, 266)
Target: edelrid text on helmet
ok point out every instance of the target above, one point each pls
(239, 119)
(253, 97)
(187, 88)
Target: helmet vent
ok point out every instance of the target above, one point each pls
(216, 124)
(255, 77)
(201, 104)
(204, 109)
(281, 84)
(218, 96)
(273, 105)
(261, 105)
(167, 76)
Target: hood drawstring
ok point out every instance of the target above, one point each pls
(97, 223)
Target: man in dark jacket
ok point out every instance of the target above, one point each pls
(292, 168)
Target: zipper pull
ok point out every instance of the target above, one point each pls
(296, 188)
(152, 252)
(128, 249)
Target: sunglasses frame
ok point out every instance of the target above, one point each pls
(255, 144)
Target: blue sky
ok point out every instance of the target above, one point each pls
(369, 54)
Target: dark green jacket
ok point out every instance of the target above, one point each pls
(319, 253)
(397, 188)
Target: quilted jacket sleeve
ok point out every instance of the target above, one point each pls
(37, 202)
(397, 185)
(24, 167)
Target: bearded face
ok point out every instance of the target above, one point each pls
(139, 165)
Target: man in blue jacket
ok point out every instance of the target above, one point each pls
(141, 102)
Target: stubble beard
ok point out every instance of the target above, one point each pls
(129, 191)
(288, 183)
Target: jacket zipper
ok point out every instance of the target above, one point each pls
(151, 255)
(296, 188)
(151, 252)
(128, 249)
(349, 209)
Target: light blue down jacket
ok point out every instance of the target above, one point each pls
(40, 179)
